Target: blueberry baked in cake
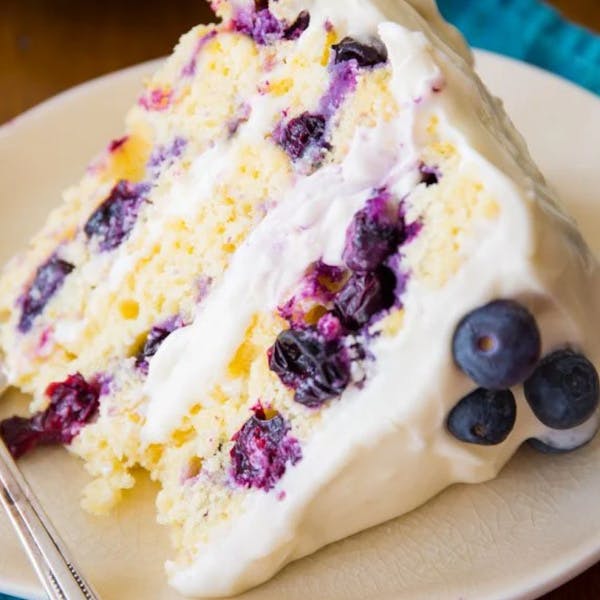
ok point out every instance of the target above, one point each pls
(319, 271)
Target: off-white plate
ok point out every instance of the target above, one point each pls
(535, 526)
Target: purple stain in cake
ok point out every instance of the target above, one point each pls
(116, 144)
(156, 336)
(318, 287)
(189, 70)
(48, 279)
(374, 234)
(343, 82)
(104, 382)
(301, 134)
(111, 223)
(243, 114)
(412, 230)
(298, 27)
(330, 327)
(363, 55)
(45, 341)
(262, 26)
(243, 21)
(395, 265)
(203, 286)
(73, 403)
(317, 369)
(322, 281)
(430, 175)
(156, 99)
(164, 155)
(265, 28)
(306, 133)
(263, 449)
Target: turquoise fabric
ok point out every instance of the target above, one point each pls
(528, 30)
(531, 31)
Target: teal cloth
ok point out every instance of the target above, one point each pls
(531, 31)
(528, 30)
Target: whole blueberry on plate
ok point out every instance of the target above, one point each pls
(560, 442)
(483, 417)
(563, 391)
(497, 345)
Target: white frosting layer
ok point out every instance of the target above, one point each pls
(382, 450)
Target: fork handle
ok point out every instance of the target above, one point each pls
(48, 554)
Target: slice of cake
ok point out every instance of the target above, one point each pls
(317, 280)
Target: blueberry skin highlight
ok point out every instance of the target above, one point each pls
(566, 440)
(483, 417)
(497, 345)
(563, 392)
(545, 448)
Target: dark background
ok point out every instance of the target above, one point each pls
(47, 46)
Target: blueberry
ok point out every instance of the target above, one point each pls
(371, 238)
(112, 222)
(20, 435)
(484, 417)
(298, 27)
(262, 450)
(156, 336)
(48, 279)
(164, 155)
(563, 391)
(365, 55)
(429, 175)
(73, 403)
(316, 368)
(365, 295)
(301, 133)
(497, 345)
(561, 442)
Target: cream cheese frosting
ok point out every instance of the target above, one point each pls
(384, 449)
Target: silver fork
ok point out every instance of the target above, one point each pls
(48, 554)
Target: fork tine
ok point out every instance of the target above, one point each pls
(47, 552)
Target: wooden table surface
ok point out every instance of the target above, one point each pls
(49, 45)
